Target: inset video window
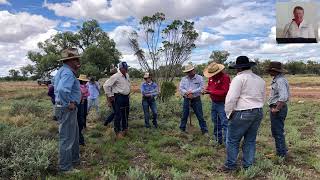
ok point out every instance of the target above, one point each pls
(297, 22)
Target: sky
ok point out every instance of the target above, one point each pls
(241, 27)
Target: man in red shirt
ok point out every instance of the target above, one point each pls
(218, 86)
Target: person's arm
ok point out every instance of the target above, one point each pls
(108, 85)
(64, 89)
(233, 96)
(182, 87)
(283, 94)
(201, 86)
(155, 91)
(143, 90)
(285, 33)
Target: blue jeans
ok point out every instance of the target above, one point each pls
(277, 129)
(243, 124)
(146, 103)
(81, 121)
(197, 108)
(220, 121)
(121, 113)
(68, 138)
(111, 116)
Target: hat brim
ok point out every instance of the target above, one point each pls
(68, 58)
(208, 75)
(239, 66)
(188, 70)
(277, 70)
(80, 79)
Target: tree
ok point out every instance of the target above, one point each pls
(27, 70)
(98, 50)
(14, 74)
(135, 73)
(219, 57)
(177, 39)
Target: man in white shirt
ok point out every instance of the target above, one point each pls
(243, 107)
(117, 88)
(298, 27)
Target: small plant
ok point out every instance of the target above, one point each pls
(109, 174)
(25, 107)
(136, 174)
(168, 89)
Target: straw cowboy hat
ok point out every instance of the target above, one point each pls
(188, 68)
(70, 53)
(146, 75)
(213, 69)
(83, 77)
(276, 66)
(242, 62)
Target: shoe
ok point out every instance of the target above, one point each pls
(119, 136)
(125, 132)
(72, 171)
(225, 169)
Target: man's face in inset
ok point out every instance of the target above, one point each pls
(298, 14)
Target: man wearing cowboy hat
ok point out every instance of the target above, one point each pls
(149, 91)
(279, 97)
(68, 95)
(243, 107)
(218, 86)
(191, 87)
(83, 106)
(111, 116)
(118, 89)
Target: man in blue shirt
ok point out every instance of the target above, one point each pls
(149, 91)
(191, 87)
(94, 92)
(67, 96)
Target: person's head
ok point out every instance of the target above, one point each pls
(242, 63)
(298, 13)
(147, 77)
(189, 70)
(71, 57)
(123, 67)
(83, 79)
(275, 68)
(92, 79)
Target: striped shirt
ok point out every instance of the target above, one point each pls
(279, 90)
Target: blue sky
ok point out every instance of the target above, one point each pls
(238, 26)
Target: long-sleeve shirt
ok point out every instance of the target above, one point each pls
(117, 83)
(218, 87)
(247, 91)
(84, 91)
(304, 30)
(280, 90)
(195, 85)
(94, 90)
(66, 86)
(149, 88)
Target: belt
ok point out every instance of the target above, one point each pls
(118, 94)
(249, 109)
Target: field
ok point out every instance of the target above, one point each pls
(162, 153)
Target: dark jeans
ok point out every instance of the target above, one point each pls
(243, 124)
(277, 129)
(197, 108)
(85, 111)
(111, 116)
(146, 103)
(81, 121)
(121, 112)
(220, 122)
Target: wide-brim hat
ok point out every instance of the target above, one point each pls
(146, 75)
(276, 66)
(242, 62)
(213, 69)
(188, 68)
(70, 53)
(83, 77)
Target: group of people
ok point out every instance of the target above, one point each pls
(236, 109)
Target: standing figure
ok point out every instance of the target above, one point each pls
(82, 107)
(111, 116)
(94, 92)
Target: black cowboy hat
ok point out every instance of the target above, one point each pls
(242, 62)
(276, 66)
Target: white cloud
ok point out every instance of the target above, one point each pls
(121, 37)
(4, 2)
(207, 39)
(122, 9)
(17, 27)
(66, 24)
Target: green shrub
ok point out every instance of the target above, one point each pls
(26, 107)
(168, 89)
(24, 155)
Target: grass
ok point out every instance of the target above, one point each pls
(165, 153)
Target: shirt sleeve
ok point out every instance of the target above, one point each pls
(182, 87)
(65, 86)
(283, 91)
(155, 91)
(233, 95)
(201, 86)
(108, 85)
(143, 91)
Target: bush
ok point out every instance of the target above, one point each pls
(168, 89)
(23, 155)
(26, 107)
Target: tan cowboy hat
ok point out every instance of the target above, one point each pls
(188, 68)
(83, 77)
(276, 66)
(212, 69)
(146, 75)
(70, 53)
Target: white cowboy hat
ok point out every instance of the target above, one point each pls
(212, 69)
(70, 53)
(187, 68)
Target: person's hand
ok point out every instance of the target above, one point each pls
(111, 99)
(72, 106)
(109, 104)
(274, 110)
(205, 91)
(189, 96)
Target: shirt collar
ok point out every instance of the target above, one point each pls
(277, 77)
(67, 66)
(194, 77)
